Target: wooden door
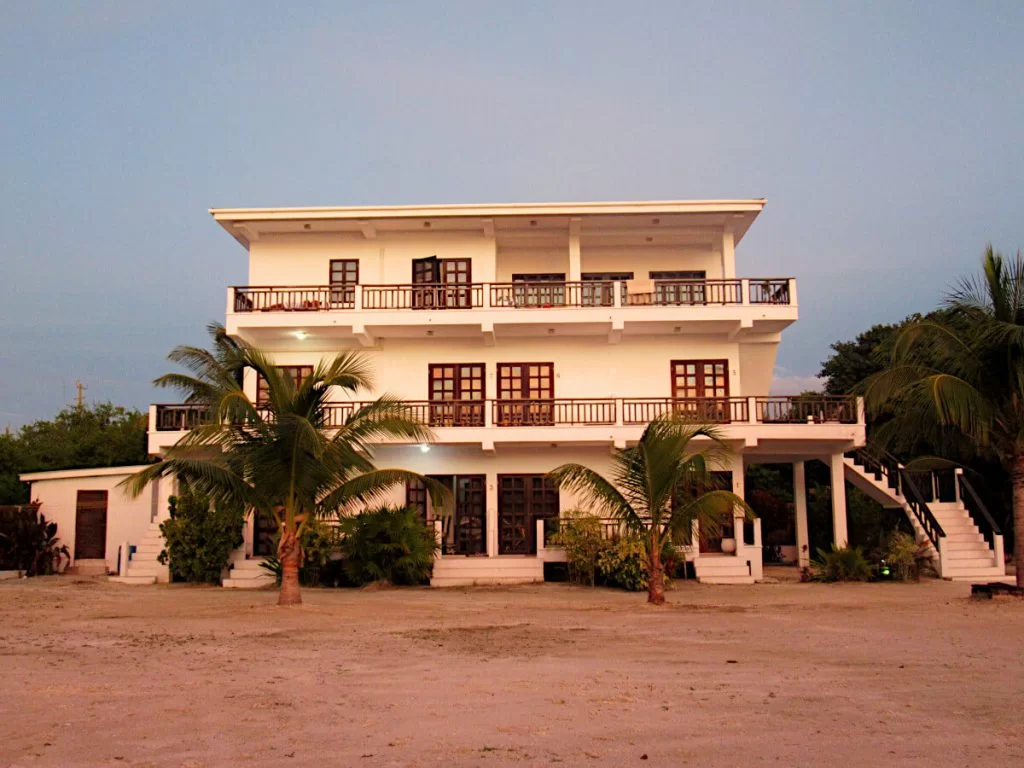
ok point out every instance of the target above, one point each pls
(526, 393)
(456, 394)
(677, 287)
(264, 534)
(470, 515)
(91, 525)
(700, 389)
(522, 500)
(426, 275)
(544, 289)
(457, 277)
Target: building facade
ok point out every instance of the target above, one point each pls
(528, 336)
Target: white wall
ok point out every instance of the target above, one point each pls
(127, 520)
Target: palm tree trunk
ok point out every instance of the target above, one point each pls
(288, 554)
(1017, 478)
(656, 578)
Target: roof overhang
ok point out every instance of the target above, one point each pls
(72, 474)
(247, 224)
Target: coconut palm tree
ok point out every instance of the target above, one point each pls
(658, 489)
(965, 375)
(277, 458)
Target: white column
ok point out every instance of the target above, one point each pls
(492, 515)
(803, 544)
(739, 516)
(728, 255)
(840, 537)
(575, 265)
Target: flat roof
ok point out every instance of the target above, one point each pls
(234, 219)
(72, 474)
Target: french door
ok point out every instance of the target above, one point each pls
(456, 394)
(676, 287)
(442, 283)
(599, 292)
(700, 389)
(526, 393)
(545, 289)
(522, 500)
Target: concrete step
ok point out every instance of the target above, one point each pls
(248, 574)
(955, 562)
(960, 538)
(144, 570)
(133, 580)
(979, 575)
(456, 571)
(257, 583)
(148, 549)
(724, 579)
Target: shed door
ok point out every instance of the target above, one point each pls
(91, 525)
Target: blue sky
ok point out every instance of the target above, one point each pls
(885, 135)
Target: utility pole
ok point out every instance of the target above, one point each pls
(79, 399)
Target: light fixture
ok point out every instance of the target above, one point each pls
(307, 226)
(551, 331)
(655, 221)
(533, 222)
(650, 239)
(426, 224)
(424, 448)
(430, 333)
(300, 335)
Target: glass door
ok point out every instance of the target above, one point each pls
(456, 394)
(526, 393)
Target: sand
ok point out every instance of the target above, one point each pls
(785, 674)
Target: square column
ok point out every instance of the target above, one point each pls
(738, 514)
(491, 495)
(838, 471)
(575, 266)
(803, 543)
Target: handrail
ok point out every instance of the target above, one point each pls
(976, 508)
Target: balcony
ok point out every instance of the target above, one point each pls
(364, 312)
(588, 420)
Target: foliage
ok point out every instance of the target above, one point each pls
(658, 488)
(846, 564)
(582, 536)
(389, 545)
(959, 379)
(624, 564)
(906, 556)
(851, 362)
(771, 554)
(29, 543)
(278, 459)
(101, 435)
(200, 535)
(319, 542)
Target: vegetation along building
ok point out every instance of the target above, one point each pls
(528, 336)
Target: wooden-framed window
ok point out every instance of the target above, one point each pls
(700, 378)
(540, 289)
(299, 374)
(344, 273)
(526, 393)
(456, 392)
(445, 283)
(601, 295)
(669, 290)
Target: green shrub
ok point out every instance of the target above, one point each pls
(624, 564)
(846, 564)
(582, 536)
(391, 545)
(906, 557)
(199, 537)
(29, 543)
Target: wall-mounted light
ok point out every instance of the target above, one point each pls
(424, 448)
(426, 225)
(300, 335)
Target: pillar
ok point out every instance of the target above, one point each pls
(575, 264)
(838, 470)
(492, 515)
(728, 254)
(803, 543)
(739, 516)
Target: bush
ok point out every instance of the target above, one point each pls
(846, 564)
(582, 536)
(29, 543)
(907, 559)
(199, 537)
(391, 545)
(624, 564)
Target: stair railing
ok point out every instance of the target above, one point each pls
(888, 466)
(979, 512)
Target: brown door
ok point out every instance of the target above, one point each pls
(719, 481)
(264, 535)
(522, 500)
(457, 277)
(456, 394)
(601, 284)
(545, 289)
(426, 275)
(91, 525)
(679, 287)
(464, 533)
(700, 389)
(526, 393)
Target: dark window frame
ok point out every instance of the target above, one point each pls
(299, 374)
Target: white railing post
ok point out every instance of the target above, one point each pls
(122, 565)
(957, 474)
(617, 294)
(619, 415)
(486, 288)
(792, 291)
(752, 410)
(745, 291)
(694, 540)
(152, 419)
(540, 539)
(357, 297)
(997, 545)
(861, 413)
(756, 553)
(231, 301)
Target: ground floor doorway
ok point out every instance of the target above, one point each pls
(522, 500)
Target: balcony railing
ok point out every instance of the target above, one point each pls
(564, 412)
(516, 295)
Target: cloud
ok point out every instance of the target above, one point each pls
(785, 382)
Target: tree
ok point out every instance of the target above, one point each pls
(658, 488)
(277, 459)
(851, 362)
(963, 378)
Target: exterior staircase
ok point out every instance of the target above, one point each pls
(462, 571)
(965, 542)
(722, 569)
(143, 566)
(246, 573)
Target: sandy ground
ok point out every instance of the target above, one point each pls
(780, 674)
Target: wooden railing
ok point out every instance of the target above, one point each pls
(424, 296)
(703, 410)
(554, 412)
(546, 295)
(516, 295)
(180, 417)
(800, 409)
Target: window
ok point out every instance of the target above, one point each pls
(456, 394)
(442, 283)
(601, 295)
(299, 374)
(525, 394)
(700, 389)
(344, 272)
(677, 287)
(541, 289)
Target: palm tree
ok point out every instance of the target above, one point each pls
(963, 377)
(277, 458)
(658, 489)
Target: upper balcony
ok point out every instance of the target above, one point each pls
(732, 308)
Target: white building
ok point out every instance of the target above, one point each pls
(530, 335)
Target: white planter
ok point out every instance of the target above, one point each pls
(728, 546)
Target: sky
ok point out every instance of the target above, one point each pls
(886, 137)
